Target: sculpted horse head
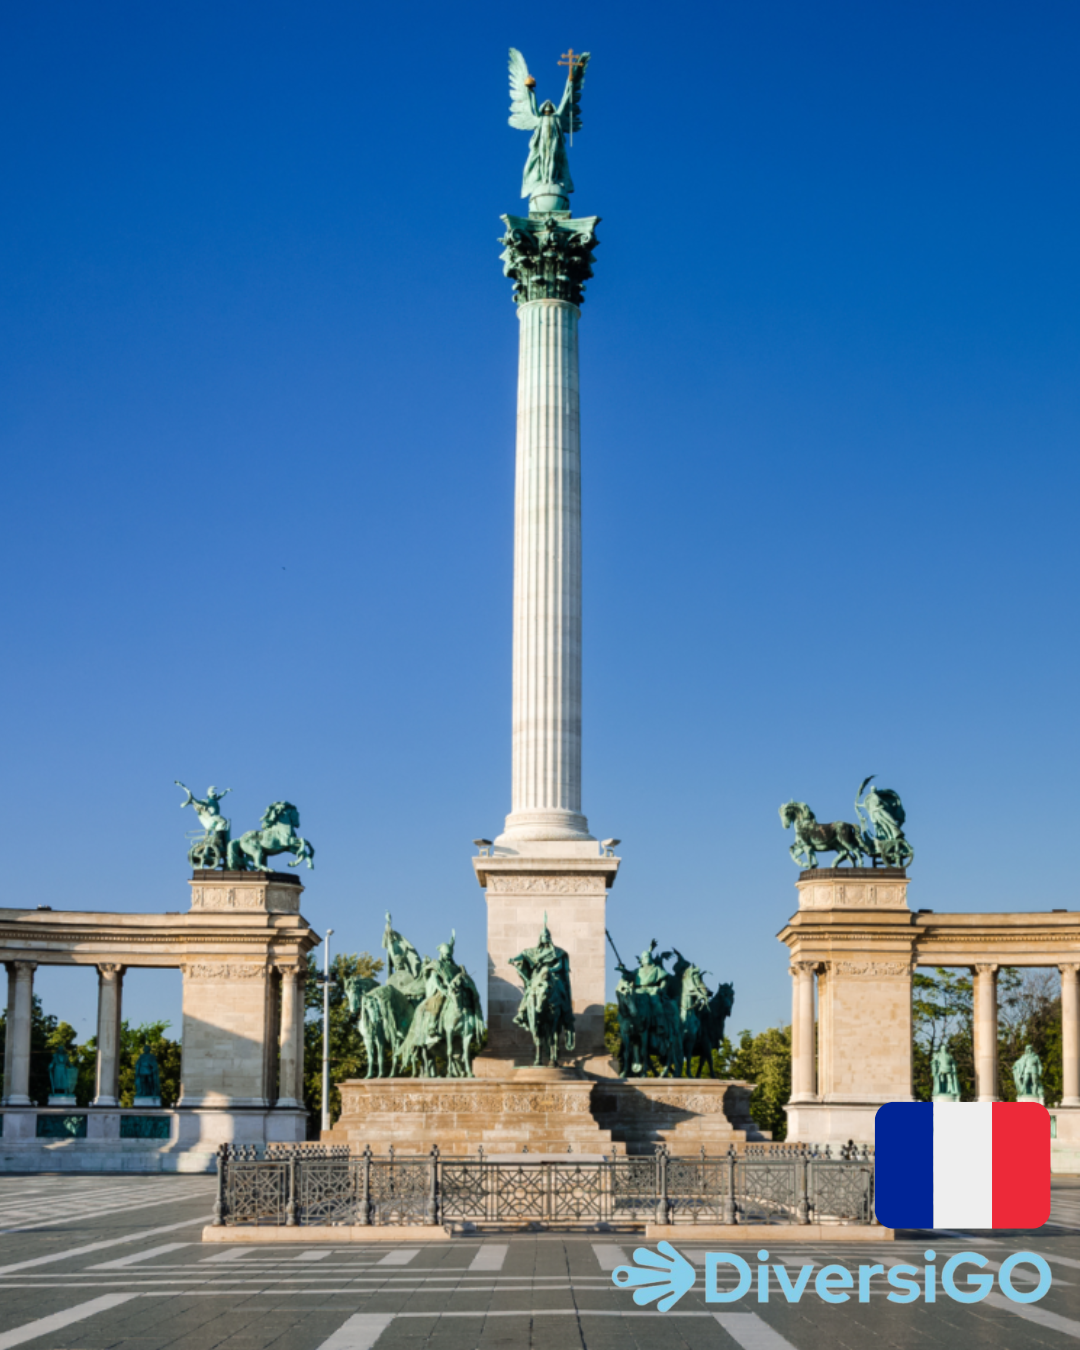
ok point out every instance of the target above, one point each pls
(793, 812)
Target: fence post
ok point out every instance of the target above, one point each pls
(803, 1164)
(730, 1211)
(219, 1199)
(364, 1217)
(662, 1215)
(290, 1207)
(433, 1193)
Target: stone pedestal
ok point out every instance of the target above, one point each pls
(154, 1102)
(854, 930)
(687, 1114)
(64, 1099)
(567, 882)
(232, 1005)
(547, 1114)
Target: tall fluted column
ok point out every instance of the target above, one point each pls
(21, 1006)
(1070, 1035)
(986, 1046)
(291, 1045)
(549, 257)
(9, 1021)
(546, 797)
(802, 1032)
(110, 985)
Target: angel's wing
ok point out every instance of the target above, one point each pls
(523, 114)
(569, 111)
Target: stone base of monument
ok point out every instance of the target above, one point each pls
(545, 1111)
(1065, 1139)
(61, 1099)
(833, 1122)
(686, 1114)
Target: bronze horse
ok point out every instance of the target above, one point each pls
(812, 837)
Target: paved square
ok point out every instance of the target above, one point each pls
(92, 1263)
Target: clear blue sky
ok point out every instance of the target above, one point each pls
(257, 414)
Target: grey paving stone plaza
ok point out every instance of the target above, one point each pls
(92, 1263)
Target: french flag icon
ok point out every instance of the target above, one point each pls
(962, 1165)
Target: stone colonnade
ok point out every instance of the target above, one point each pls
(855, 937)
(286, 1048)
(807, 1031)
(242, 952)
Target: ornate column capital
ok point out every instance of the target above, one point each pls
(987, 968)
(289, 970)
(111, 970)
(798, 968)
(1070, 966)
(549, 256)
(24, 968)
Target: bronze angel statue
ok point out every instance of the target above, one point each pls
(547, 178)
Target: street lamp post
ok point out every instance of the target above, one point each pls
(326, 1034)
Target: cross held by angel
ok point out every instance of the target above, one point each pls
(547, 182)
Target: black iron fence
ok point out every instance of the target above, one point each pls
(325, 1185)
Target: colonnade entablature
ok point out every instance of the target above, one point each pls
(242, 951)
(857, 943)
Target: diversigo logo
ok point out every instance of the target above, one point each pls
(667, 1275)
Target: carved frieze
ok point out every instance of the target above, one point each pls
(851, 895)
(871, 967)
(509, 883)
(223, 970)
(275, 899)
(515, 1101)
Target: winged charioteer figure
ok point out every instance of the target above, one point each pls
(547, 182)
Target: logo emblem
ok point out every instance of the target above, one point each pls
(666, 1276)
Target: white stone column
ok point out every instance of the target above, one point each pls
(1070, 1035)
(110, 985)
(291, 1044)
(546, 797)
(803, 1085)
(9, 1021)
(17, 1057)
(986, 1041)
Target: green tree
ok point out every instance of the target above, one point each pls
(1029, 1011)
(764, 1060)
(347, 1057)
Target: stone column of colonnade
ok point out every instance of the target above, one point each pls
(110, 991)
(986, 1033)
(17, 1044)
(803, 1078)
(546, 738)
(291, 1061)
(1070, 1034)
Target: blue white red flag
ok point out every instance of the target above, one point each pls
(962, 1165)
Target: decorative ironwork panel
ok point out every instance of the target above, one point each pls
(467, 1191)
(328, 1191)
(633, 1188)
(766, 1191)
(841, 1191)
(256, 1192)
(697, 1188)
(400, 1190)
(520, 1192)
(575, 1191)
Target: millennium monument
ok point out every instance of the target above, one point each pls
(545, 870)
(545, 1078)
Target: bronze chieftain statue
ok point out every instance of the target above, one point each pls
(880, 838)
(669, 1015)
(546, 1010)
(425, 1005)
